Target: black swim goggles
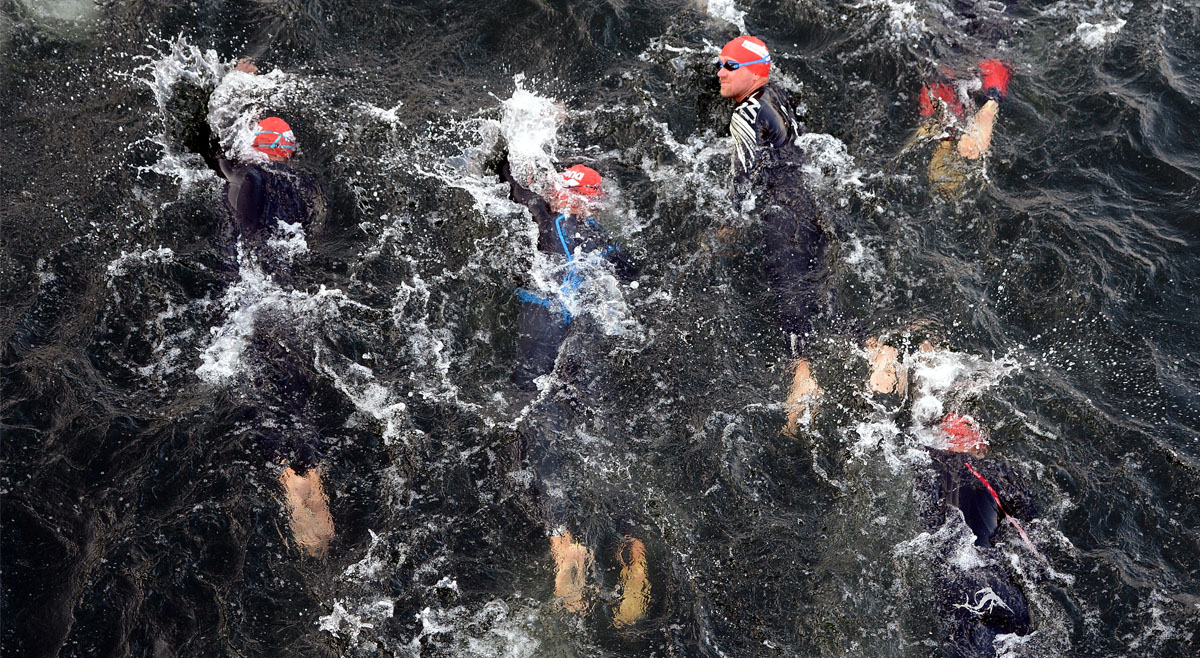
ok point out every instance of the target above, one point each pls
(730, 65)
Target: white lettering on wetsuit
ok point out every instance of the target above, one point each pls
(988, 599)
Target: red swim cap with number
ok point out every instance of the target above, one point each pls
(580, 180)
(962, 434)
(749, 49)
(274, 137)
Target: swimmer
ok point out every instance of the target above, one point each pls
(569, 236)
(978, 604)
(259, 196)
(767, 163)
(962, 139)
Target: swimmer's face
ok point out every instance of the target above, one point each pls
(575, 204)
(738, 84)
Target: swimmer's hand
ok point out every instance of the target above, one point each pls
(245, 65)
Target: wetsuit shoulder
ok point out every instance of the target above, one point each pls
(777, 125)
(247, 197)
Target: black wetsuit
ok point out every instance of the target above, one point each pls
(544, 317)
(767, 172)
(983, 603)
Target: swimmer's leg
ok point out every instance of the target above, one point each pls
(572, 561)
(633, 582)
(802, 397)
(308, 506)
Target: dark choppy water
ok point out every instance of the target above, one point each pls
(140, 519)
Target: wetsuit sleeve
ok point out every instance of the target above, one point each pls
(539, 208)
(622, 263)
(247, 195)
(522, 194)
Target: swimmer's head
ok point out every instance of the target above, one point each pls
(273, 136)
(577, 190)
(743, 66)
(963, 435)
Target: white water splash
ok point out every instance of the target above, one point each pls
(343, 623)
(529, 125)
(903, 18)
(119, 266)
(1094, 35)
(240, 100)
(828, 162)
(254, 296)
(288, 241)
(357, 382)
(941, 380)
(727, 11)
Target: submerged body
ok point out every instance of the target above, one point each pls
(545, 316)
(576, 244)
(768, 183)
(978, 604)
(260, 197)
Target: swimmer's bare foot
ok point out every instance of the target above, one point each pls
(887, 375)
(571, 563)
(802, 398)
(311, 522)
(634, 584)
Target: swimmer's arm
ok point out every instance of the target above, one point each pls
(247, 194)
(978, 136)
(621, 262)
(518, 192)
(205, 144)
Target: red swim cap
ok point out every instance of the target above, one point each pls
(274, 137)
(962, 434)
(931, 94)
(749, 49)
(580, 180)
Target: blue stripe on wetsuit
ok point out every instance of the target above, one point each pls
(571, 281)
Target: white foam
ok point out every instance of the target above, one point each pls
(942, 379)
(63, 10)
(903, 18)
(828, 162)
(358, 384)
(288, 240)
(529, 124)
(1094, 35)
(250, 298)
(727, 11)
(343, 623)
(240, 100)
(862, 259)
(119, 266)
